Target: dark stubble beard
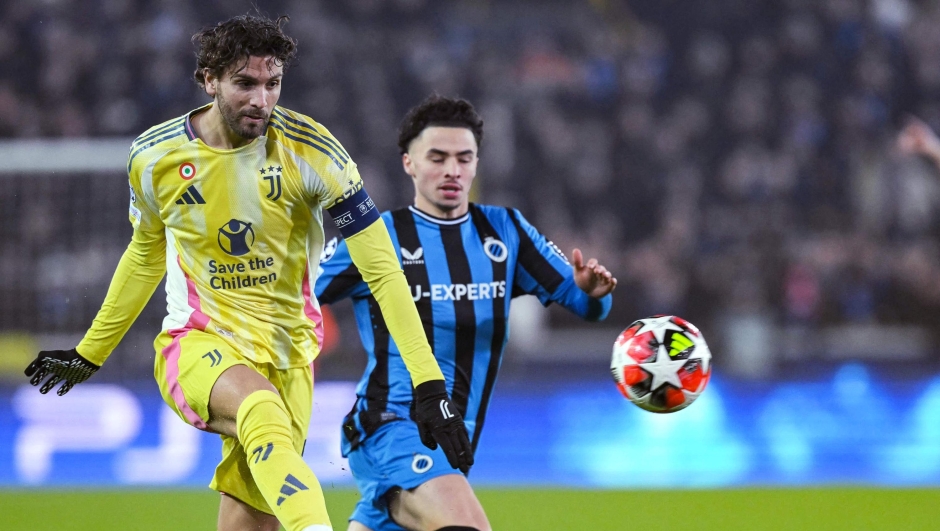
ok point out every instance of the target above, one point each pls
(233, 120)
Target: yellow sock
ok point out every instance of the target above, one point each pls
(282, 476)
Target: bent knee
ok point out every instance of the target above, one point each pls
(262, 414)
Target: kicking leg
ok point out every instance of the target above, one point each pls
(244, 404)
(438, 503)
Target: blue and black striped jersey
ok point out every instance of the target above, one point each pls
(462, 273)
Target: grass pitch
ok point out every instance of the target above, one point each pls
(829, 509)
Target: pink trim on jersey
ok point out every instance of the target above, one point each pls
(311, 311)
(197, 319)
(172, 356)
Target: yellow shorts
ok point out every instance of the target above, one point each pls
(187, 365)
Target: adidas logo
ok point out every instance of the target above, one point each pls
(191, 197)
(291, 486)
(409, 258)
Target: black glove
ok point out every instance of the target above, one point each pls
(66, 365)
(439, 422)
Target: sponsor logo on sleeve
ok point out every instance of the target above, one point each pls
(557, 251)
(135, 215)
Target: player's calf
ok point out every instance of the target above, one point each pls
(284, 479)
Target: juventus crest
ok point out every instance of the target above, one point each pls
(272, 174)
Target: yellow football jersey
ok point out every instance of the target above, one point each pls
(241, 228)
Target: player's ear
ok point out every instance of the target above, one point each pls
(407, 164)
(210, 82)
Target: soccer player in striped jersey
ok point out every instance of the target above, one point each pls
(464, 263)
(227, 201)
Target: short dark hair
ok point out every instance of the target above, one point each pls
(440, 111)
(238, 38)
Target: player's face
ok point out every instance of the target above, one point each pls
(442, 161)
(246, 94)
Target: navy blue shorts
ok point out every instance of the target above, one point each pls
(393, 456)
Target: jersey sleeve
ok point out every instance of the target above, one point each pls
(332, 182)
(544, 271)
(339, 278)
(137, 276)
(330, 177)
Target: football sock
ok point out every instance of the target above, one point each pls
(284, 479)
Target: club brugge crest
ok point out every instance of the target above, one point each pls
(236, 237)
(495, 249)
(421, 463)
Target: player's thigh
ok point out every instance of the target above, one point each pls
(235, 515)
(231, 388)
(188, 364)
(439, 502)
(393, 459)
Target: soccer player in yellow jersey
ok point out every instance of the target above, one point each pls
(227, 201)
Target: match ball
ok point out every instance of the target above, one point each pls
(661, 363)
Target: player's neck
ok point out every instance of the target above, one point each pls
(433, 210)
(211, 128)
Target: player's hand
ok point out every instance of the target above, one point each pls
(66, 365)
(593, 278)
(918, 139)
(439, 422)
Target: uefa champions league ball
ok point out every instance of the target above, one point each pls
(661, 363)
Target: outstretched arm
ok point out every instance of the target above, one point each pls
(593, 278)
(137, 276)
(138, 273)
(917, 138)
(544, 271)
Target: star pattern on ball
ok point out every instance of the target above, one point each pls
(658, 326)
(664, 370)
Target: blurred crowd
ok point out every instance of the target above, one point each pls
(722, 157)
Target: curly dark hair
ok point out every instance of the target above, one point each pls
(238, 38)
(438, 110)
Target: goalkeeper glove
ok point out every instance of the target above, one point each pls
(439, 422)
(66, 365)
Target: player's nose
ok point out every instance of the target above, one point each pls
(452, 168)
(259, 98)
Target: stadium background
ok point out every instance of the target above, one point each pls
(731, 161)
